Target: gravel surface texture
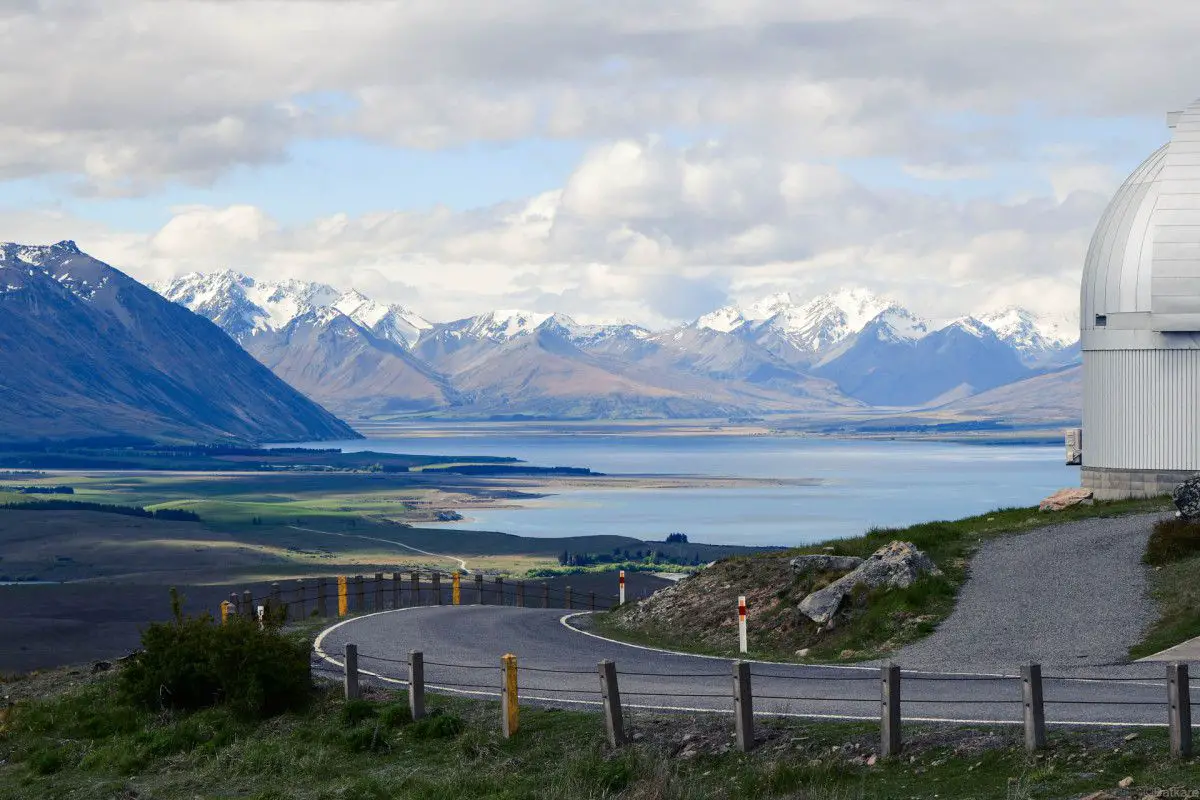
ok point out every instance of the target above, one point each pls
(1067, 596)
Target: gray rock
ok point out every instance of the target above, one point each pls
(896, 566)
(803, 565)
(1187, 498)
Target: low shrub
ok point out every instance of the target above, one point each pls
(356, 711)
(437, 726)
(395, 715)
(192, 663)
(1172, 540)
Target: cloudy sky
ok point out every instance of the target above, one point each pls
(635, 160)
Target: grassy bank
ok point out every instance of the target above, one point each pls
(698, 617)
(1174, 553)
(73, 736)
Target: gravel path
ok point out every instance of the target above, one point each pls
(1068, 595)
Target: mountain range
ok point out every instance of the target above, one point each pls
(843, 351)
(88, 352)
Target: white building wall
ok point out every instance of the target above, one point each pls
(1141, 409)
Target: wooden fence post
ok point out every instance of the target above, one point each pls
(276, 601)
(592, 601)
(567, 602)
(743, 707)
(416, 684)
(360, 594)
(397, 583)
(1179, 710)
(499, 590)
(520, 594)
(545, 595)
(1035, 710)
(300, 600)
(437, 588)
(248, 604)
(509, 709)
(322, 597)
(889, 687)
(479, 589)
(236, 602)
(613, 721)
(414, 582)
(351, 681)
(378, 592)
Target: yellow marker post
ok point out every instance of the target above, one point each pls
(508, 703)
(455, 595)
(226, 609)
(343, 600)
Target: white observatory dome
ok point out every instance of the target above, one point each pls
(1140, 325)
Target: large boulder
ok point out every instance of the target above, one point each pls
(1187, 498)
(1065, 498)
(896, 566)
(825, 562)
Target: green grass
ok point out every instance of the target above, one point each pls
(875, 624)
(1174, 552)
(88, 743)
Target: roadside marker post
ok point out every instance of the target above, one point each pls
(416, 684)
(743, 707)
(456, 589)
(414, 580)
(479, 589)
(499, 590)
(248, 604)
(520, 594)
(262, 614)
(568, 603)
(276, 602)
(545, 595)
(1035, 709)
(360, 596)
(889, 711)
(235, 603)
(614, 723)
(351, 677)
(343, 597)
(300, 600)
(622, 581)
(508, 707)
(743, 644)
(226, 607)
(397, 585)
(378, 592)
(322, 599)
(1179, 710)
(436, 580)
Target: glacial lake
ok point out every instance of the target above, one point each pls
(862, 483)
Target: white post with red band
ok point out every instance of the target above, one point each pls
(742, 623)
(622, 587)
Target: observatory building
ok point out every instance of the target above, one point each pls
(1140, 325)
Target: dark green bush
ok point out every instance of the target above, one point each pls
(367, 739)
(437, 726)
(355, 711)
(192, 663)
(1172, 540)
(395, 715)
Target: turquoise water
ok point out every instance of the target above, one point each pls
(862, 483)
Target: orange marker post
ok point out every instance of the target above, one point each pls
(343, 600)
(742, 623)
(226, 608)
(455, 589)
(622, 587)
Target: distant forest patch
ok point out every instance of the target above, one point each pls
(38, 489)
(173, 514)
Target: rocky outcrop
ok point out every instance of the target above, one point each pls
(1187, 498)
(803, 565)
(897, 566)
(1065, 498)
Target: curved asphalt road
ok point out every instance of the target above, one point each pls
(462, 647)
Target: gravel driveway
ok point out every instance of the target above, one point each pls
(1068, 595)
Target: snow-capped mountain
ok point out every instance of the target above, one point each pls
(244, 306)
(1038, 340)
(87, 351)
